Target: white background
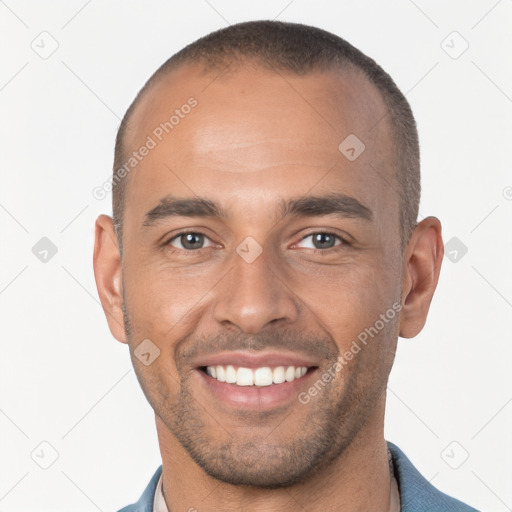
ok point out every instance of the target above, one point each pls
(63, 377)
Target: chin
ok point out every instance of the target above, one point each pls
(268, 467)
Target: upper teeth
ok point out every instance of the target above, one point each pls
(264, 376)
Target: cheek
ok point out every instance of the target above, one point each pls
(165, 301)
(347, 299)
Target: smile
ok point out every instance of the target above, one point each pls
(263, 376)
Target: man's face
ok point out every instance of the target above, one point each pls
(253, 288)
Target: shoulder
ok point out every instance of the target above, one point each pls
(145, 503)
(417, 494)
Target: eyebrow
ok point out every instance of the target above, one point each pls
(339, 205)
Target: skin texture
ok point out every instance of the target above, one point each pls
(248, 148)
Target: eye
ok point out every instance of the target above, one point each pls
(322, 240)
(189, 241)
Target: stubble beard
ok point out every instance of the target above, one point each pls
(330, 427)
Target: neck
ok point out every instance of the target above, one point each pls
(358, 480)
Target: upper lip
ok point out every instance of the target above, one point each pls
(251, 360)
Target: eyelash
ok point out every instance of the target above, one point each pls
(344, 241)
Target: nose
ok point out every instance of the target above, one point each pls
(253, 295)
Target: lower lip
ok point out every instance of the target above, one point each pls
(256, 397)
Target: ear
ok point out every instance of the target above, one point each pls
(107, 272)
(421, 267)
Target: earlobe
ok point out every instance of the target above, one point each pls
(422, 265)
(107, 273)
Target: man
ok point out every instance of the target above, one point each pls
(263, 257)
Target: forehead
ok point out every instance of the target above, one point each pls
(331, 101)
(260, 134)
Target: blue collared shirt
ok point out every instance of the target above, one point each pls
(416, 493)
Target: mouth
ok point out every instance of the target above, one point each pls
(255, 384)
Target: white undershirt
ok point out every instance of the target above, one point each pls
(159, 502)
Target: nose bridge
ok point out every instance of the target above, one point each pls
(253, 294)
